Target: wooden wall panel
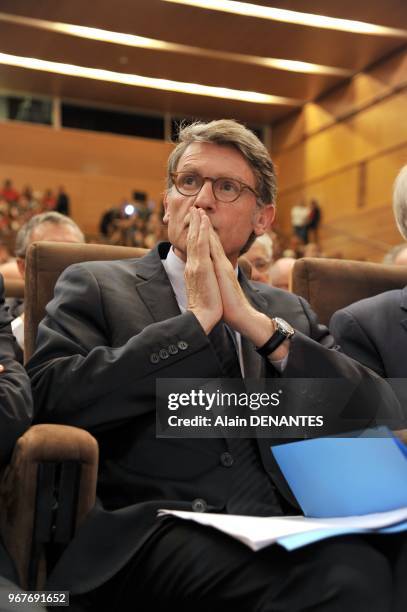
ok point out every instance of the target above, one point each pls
(97, 170)
(346, 151)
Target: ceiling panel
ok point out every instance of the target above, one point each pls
(206, 29)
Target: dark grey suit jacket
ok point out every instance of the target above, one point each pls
(15, 406)
(374, 332)
(94, 368)
(15, 393)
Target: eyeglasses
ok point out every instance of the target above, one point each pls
(224, 189)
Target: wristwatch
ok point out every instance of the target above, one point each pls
(283, 330)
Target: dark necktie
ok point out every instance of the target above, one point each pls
(252, 491)
(221, 339)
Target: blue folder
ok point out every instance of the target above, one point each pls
(333, 477)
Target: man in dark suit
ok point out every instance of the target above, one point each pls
(114, 328)
(374, 330)
(15, 418)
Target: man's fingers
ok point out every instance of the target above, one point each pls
(193, 229)
(203, 238)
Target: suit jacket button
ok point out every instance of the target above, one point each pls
(154, 358)
(182, 345)
(226, 460)
(199, 505)
(172, 349)
(164, 354)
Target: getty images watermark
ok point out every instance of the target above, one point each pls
(266, 408)
(223, 400)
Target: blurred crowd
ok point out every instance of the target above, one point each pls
(17, 207)
(137, 221)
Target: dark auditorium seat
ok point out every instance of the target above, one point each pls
(50, 485)
(14, 288)
(331, 284)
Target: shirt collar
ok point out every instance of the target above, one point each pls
(175, 267)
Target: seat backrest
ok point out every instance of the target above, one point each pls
(45, 262)
(331, 284)
(14, 288)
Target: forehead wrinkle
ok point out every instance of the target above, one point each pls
(190, 167)
(191, 159)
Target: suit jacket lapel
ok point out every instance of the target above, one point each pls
(156, 291)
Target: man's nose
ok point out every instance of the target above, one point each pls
(205, 198)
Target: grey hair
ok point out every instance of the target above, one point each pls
(400, 201)
(232, 133)
(391, 255)
(265, 241)
(25, 232)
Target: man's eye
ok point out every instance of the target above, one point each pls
(189, 180)
(229, 186)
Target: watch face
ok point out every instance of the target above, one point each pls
(283, 326)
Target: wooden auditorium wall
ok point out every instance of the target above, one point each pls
(345, 151)
(97, 170)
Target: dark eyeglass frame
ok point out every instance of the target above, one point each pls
(242, 185)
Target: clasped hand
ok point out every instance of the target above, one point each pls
(213, 290)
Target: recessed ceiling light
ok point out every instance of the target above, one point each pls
(286, 16)
(136, 80)
(132, 40)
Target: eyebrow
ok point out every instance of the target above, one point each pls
(192, 168)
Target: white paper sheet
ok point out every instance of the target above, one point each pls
(258, 532)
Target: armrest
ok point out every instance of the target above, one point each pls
(45, 493)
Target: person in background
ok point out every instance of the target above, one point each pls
(397, 256)
(16, 412)
(314, 221)
(48, 201)
(9, 193)
(48, 226)
(139, 200)
(299, 221)
(280, 273)
(374, 330)
(260, 256)
(63, 202)
(4, 253)
(312, 250)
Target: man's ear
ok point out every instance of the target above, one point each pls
(166, 213)
(264, 217)
(21, 266)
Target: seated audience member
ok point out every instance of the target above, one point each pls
(48, 201)
(9, 193)
(63, 202)
(312, 250)
(374, 330)
(397, 256)
(113, 328)
(9, 270)
(260, 256)
(4, 254)
(15, 418)
(48, 226)
(280, 273)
